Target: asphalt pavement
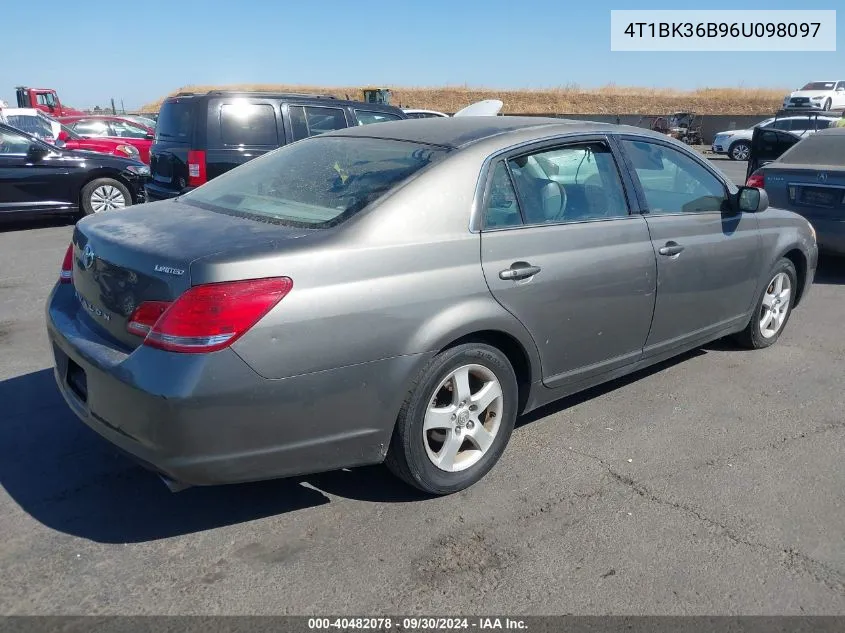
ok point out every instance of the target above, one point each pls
(711, 484)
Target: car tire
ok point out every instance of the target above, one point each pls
(772, 310)
(827, 104)
(104, 194)
(442, 444)
(740, 150)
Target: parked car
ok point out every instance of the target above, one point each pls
(423, 114)
(824, 95)
(808, 178)
(402, 292)
(114, 127)
(49, 129)
(200, 136)
(737, 143)
(37, 178)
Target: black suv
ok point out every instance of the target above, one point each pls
(200, 136)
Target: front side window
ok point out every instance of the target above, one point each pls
(575, 183)
(92, 127)
(673, 182)
(248, 124)
(366, 117)
(13, 143)
(310, 121)
(315, 184)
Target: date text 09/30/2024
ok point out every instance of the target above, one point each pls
(415, 624)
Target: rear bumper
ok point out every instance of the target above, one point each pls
(155, 192)
(210, 419)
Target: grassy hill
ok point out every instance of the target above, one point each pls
(610, 99)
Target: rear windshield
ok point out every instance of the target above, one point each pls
(31, 125)
(819, 85)
(818, 149)
(174, 122)
(318, 182)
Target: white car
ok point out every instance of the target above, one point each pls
(487, 107)
(824, 95)
(737, 143)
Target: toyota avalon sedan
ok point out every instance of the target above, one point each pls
(400, 293)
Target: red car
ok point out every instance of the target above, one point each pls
(114, 128)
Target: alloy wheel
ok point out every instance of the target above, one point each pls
(463, 418)
(775, 305)
(107, 198)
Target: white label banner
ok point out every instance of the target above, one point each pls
(722, 30)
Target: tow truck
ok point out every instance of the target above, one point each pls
(44, 99)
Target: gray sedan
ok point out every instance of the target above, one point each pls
(402, 292)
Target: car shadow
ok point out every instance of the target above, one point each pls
(830, 271)
(68, 478)
(35, 222)
(600, 390)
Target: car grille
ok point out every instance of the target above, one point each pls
(800, 101)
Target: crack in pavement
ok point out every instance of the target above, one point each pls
(791, 558)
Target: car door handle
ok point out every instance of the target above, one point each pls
(519, 270)
(671, 249)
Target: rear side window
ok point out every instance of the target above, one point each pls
(308, 121)
(248, 124)
(502, 206)
(365, 117)
(174, 122)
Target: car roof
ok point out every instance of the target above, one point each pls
(280, 95)
(832, 131)
(459, 132)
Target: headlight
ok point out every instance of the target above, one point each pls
(140, 170)
(816, 98)
(127, 149)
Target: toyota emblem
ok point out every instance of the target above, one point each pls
(88, 257)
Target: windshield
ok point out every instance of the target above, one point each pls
(819, 85)
(318, 182)
(819, 149)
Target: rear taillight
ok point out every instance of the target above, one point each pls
(66, 274)
(196, 168)
(209, 317)
(756, 180)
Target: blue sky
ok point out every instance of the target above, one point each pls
(92, 51)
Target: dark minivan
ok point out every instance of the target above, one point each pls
(200, 136)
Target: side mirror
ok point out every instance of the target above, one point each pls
(35, 153)
(752, 200)
(150, 137)
(64, 137)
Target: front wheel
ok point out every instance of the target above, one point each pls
(456, 420)
(740, 151)
(104, 194)
(773, 308)
(827, 104)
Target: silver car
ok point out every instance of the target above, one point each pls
(402, 292)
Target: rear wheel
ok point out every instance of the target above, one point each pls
(104, 194)
(740, 150)
(456, 420)
(773, 308)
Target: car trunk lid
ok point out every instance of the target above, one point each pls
(144, 253)
(812, 191)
